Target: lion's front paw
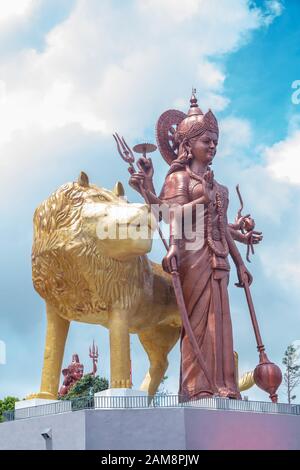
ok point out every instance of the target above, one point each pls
(43, 395)
(120, 383)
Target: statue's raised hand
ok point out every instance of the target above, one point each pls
(137, 180)
(142, 178)
(146, 167)
(243, 275)
(207, 185)
(252, 237)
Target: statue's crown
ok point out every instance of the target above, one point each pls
(196, 123)
(194, 108)
(175, 127)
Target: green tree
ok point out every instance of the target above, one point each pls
(87, 386)
(8, 404)
(163, 391)
(292, 371)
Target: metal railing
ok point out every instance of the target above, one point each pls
(146, 402)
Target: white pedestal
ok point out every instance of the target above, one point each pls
(156, 429)
(121, 398)
(33, 402)
(40, 407)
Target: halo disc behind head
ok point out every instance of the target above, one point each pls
(165, 133)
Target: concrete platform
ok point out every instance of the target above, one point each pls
(156, 429)
(39, 406)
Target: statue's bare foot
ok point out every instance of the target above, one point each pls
(228, 393)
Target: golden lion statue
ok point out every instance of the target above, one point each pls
(109, 282)
(105, 281)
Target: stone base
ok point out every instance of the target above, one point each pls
(36, 407)
(121, 392)
(120, 398)
(33, 402)
(154, 429)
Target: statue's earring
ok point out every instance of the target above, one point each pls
(190, 155)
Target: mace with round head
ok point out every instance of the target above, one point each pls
(267, 375)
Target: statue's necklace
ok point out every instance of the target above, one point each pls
(223, 252)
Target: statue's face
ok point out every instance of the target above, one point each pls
(77, 373)
(204, 147)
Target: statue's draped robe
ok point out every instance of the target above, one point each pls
(204, 278)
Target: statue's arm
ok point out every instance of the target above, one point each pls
(150, 186)
(233, 251)
(174, 194)
(230, 235)
(152, 198)
(139, 182)
(242, 271)
(252, 236)
(236, 234)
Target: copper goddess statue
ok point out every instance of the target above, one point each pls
(189, 144)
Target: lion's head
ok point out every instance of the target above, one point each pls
(83, 233)
(81, 211)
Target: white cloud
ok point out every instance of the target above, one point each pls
(286, 265)
(235, 133)
(12, 9)
(269, 181)
(282, 158)
(107, 73)
(274, 8)
(176, 11)
(210, 75)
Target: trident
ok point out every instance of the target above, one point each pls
(93, 353)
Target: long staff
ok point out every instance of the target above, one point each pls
(267, 375)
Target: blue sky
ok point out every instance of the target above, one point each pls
(73, 71)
